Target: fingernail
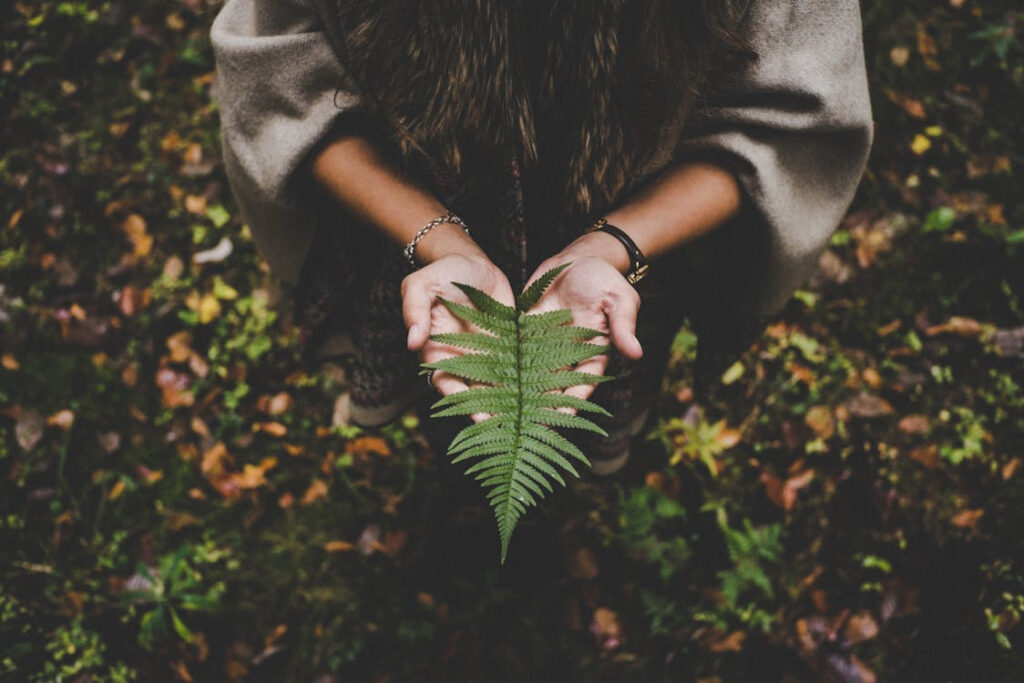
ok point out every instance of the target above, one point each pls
(414, 332)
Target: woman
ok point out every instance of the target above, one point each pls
(381, 149)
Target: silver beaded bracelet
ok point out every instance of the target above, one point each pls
(410, 249)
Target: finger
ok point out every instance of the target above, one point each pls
(622, 315)
(447, 384)
(416, 302)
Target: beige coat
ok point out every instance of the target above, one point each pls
(798, 122)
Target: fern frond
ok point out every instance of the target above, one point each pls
(524, 359)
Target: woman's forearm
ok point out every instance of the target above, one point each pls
(685, 202)
(357, 175)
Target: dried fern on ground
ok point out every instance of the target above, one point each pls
(525, 361)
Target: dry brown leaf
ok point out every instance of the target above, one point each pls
(275, 429)
(134, 227)
(965, 327)
(915, 424)
(605, 627)
(368, 445)
(195, 204)
(279, 403)
(180, 346)
(174, 388)
(861, 627)
(215, 460)
(732, 642)
(28, 428)
(62, 419)
(868, 405)
(316, 491)
(911, 106)
(339, 546)
(927, 48)
(966, 519)
(1010, 468)
(254, 476)
(926, 455)
(581, 563)
(821, 422)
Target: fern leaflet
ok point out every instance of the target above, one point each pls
(524, 360)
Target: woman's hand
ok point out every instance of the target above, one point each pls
(598, 295)
(426, 316)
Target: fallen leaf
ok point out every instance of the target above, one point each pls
(9, 362)
(1010, 468)
(927, 48)
(580, 563)
(1009, 342)
(134, 227)
(965, 327)
(368, 445)
(116, 490)
(271, 428)
(339, 546)
(215, 254)
(180, 346)
(606, 629)
(174, 388)
(206, 306)
(926, 455)
(900, 55)
(279, 404)
(215, 460)
(254, 476)
(62, 419)
(914, 424)
(966, 519)
(861, 627)
(911, 106)
(732, 642)
(920, 144)
(317, 490)
(195, 204)
(369, 540)
(394, 541)
(819, 419)
(28, 429)
(868, 406)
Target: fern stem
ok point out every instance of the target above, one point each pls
(506, 531)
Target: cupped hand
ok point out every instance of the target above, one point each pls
(600, 298)
(425, 315)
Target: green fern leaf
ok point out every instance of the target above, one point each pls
(524, 360)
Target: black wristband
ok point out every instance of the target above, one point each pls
(638, 266)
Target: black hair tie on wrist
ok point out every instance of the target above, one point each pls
(638, 266)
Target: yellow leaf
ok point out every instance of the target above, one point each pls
(116, 490)
(920, 145)
(206, 306)
(734, 372)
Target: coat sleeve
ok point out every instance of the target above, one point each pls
(796, 128)
(280, 88)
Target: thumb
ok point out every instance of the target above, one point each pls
(416, 303)
(622, 329)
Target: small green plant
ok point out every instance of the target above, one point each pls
(523, 358)
(173, 587)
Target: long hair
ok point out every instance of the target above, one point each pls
(450, 77)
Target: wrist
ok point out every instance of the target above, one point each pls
(602, 246)
(447, 239)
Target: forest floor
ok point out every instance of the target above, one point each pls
(181, 499)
